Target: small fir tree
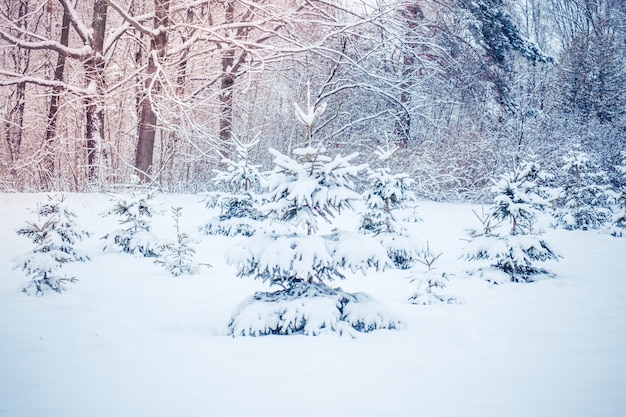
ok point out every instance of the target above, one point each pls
(513, 254)
(584, 200)
(619, 211)
(302, 191)
(239, 213)
(135, 213)
(429, 283)
(177, 257)
(54, 236)
(240, 175)
(384, 199)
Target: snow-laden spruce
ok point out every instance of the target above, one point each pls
(238, 203)
(430, 283)
(302, 191)
(310, 309)
(584, 199)
(135, 213)
(54, 234)
(386, 196)
(177, 257)
(618, 221)
(513, 254)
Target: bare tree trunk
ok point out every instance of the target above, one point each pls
(53, 109)
(148, 119)
(412, 15)
(226, 100)
(226, 86)
(14, 123)
(172, 139)
(94, 113)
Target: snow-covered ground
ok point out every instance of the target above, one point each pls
(131, 340)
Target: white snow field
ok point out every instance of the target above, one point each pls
(131, 340)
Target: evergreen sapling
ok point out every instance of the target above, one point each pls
(239, 213)
(54, 235)
(584, 200)
(136, 238)
(177, 257)
(302, 191)
(387, 195)
(619, 196)
(513, 254)
(430, 283)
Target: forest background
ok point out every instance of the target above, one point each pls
(102, 94)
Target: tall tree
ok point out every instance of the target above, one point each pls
(50, 135)
(152, 86)
(20, 60)
(94, 69)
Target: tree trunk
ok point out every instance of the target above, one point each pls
(53, 109)
(148, 119)
(412, 15)
(94, 113)
(226, 86)
(14, 123)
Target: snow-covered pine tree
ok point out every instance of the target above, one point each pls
(302, 191)
(584, 200)
(238, 203)
(385, 197)
(619, 211)
(54, 235)
(513, 255)
(431, 282)
(177, 257)
(135, 213)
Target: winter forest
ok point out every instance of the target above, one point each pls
(191, 190)
(104, 93)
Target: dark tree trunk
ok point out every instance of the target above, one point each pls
(94, 124)
(412, 15)
(14, 123)
(148, 118)
(226, 86)
(53, 109)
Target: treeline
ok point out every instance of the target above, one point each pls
(100, 94)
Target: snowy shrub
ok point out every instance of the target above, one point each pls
(618, 223)
(54, 235)
(429, 283)
(386, 195)
(240, 174)
(513, 254)
(301, 191)
(136, 238)
(177, 257)
(512, 257)
(310, 309)
(584, 200)
(239, 213)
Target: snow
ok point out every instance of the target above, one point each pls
(128, 339)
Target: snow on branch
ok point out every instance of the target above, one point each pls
(85, 33)
(19, 78)
(135, 22)
(78, 53)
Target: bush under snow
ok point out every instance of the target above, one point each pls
(310, 309)
(54, 236)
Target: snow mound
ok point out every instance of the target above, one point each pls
(40, 286)
(310, 309)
